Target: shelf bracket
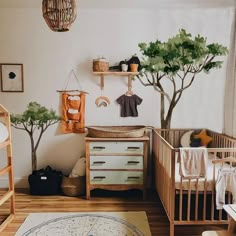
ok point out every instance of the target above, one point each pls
(129, 82)
(102, 82)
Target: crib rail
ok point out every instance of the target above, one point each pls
(181, 204)
(164, 172)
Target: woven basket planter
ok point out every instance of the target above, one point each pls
(73, 186)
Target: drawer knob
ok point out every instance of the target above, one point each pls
(133, 162)
(99, 177)
(99, 162)
(133, 177)
(133, 148)
(98, 148)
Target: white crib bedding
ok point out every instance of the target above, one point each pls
(210, 183)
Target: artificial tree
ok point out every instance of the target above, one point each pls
(34, 120)
(178, 60)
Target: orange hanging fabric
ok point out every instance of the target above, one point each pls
(73, 108)
(73, 113)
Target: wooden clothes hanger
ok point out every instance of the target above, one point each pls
(129, 92)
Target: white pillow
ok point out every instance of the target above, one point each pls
(79, 168)
(3, 132)
(185, 139)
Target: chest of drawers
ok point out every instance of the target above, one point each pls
(116, 164)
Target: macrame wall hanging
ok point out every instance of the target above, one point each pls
(73, 109)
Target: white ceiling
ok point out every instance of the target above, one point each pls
(106, 4)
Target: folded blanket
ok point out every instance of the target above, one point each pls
(193, 162)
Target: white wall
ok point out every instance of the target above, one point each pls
(48, 58)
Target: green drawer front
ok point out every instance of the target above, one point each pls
(116, 162)
(116, 177)
(116, 147)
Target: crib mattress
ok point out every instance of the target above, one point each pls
(210, 180)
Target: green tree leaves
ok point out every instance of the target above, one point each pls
(178, 61)
(179, 52)
(35, 117)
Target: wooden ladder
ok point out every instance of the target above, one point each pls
(8, 195)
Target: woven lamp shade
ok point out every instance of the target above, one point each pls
(59, 14)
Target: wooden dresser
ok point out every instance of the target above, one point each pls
(116, 164)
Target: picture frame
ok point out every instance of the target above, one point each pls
(11, 77)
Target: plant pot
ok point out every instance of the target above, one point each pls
(124, 67)
(134, 67)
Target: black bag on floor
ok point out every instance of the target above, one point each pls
(45, 182)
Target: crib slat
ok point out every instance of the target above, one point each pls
(181, 199)
(204, 199)
(196, 203)
(212, 189)
(220, 215)
(189, 199)
(229, 197)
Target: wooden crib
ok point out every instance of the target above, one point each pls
(189, 202)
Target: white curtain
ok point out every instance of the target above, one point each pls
(230, 85)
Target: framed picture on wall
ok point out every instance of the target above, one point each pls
(12, 78)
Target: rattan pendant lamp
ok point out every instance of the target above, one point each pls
(59, 14)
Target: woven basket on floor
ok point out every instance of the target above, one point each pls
(73, 186)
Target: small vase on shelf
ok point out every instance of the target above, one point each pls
(124, 67)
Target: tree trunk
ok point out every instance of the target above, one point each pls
(34, 160)
(166, 122)
(33, 152)
(162, 113)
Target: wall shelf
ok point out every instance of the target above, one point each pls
(116, 73)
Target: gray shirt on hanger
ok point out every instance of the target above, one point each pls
(129, 105)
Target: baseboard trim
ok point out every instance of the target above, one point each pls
(18, 182)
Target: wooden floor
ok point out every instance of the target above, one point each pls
(101, 201)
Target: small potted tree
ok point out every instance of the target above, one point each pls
(35, 120)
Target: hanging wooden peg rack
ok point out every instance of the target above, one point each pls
(71, 90)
